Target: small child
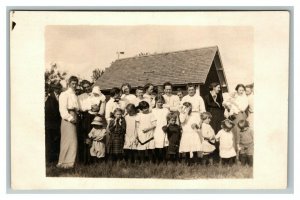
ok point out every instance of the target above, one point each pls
(190, 143)
(97, 135)
(245, 144)
(116, 129)
(208, 135)
(227, 143)
(173, 132)
(160, 137)
(131, 141)
(145, 124)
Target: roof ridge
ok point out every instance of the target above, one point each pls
(136, 57)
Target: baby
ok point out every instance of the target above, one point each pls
(229, 105)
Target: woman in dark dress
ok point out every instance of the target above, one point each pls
(213, 103)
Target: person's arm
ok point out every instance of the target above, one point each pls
(63, 108)
(102, 105)
(153, 126)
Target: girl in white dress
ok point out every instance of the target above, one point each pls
(190, 142)
(160, 137)
(208, 135)
(131, 141)
(227, 143)
(146, 123)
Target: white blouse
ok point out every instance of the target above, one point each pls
(130, 98)
(196, 101)
(241, 102)
(150, 99)
(172, 102)
(87, 100)
(68, 101)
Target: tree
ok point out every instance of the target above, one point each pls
(54, 75)
(97, 73)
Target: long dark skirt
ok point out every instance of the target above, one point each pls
(116, 143)
(83, 144)
(52, 144)
(217, 118)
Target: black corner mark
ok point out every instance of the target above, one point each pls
(13, 25)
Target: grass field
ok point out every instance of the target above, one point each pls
(146, 170)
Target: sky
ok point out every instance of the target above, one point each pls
(80, 49)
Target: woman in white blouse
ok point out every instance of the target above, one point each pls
(197, 102)
(68, 108)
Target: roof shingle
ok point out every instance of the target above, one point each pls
(178, 67)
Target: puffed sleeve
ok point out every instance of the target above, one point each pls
(63, 107)
(218, 135)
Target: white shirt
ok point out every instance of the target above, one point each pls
(226, 144)
(138, 100)
(68, 101)
(150, 99)
(172, 102)
(82, 101)
(111, 106)
(241, 101)
(196, 101)
(130, 98)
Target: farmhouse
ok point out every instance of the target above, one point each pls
(199, 66)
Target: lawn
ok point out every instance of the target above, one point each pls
(147, 170)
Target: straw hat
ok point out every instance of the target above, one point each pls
(96, 90)
(227, 124)
(98, 121)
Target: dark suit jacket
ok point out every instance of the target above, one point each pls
(217, 111)
(52, 115)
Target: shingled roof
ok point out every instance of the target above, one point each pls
(178, 67)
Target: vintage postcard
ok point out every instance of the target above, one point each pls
(149, 100)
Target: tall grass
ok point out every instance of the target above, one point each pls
(147, 170)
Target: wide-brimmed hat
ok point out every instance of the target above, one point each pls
(96, 90)
(98, 121)
(227, 124)
(243, 124)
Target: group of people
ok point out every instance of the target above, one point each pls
(147, 127)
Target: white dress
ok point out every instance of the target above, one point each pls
(226, 144)
(131, 133)
(190, 140)
(160, 137)
(207, 133)
(145, 121)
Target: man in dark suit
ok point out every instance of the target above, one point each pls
(52, 123)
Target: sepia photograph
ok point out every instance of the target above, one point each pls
(151, 99)
(149, 102)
